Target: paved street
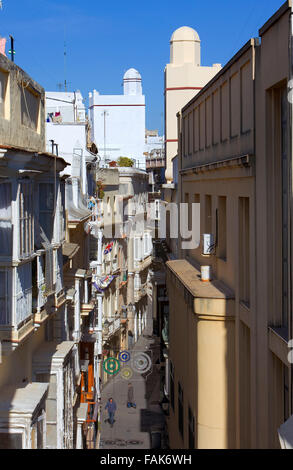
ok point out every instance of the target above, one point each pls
(133, 427)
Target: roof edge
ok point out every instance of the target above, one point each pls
(273, 19)
(252, 42)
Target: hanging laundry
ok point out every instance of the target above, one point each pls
(91, 203)
(108, 248)
(102, 283)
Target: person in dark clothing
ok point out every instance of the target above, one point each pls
(111, 407)
(130, 396)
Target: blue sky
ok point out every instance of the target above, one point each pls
(105, 38)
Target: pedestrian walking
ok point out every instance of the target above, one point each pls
(111, 407)
(130, 396)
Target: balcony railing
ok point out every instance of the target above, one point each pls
(111, 328)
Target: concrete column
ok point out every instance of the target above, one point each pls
(81, 418)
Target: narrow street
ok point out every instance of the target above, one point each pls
(135, 428)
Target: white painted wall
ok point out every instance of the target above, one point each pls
(69, 104)
(123, 128)
(154, 142)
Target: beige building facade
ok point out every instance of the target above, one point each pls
(184, 78)
(230, 380)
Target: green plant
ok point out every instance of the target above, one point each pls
(100, 190)
(125, 161)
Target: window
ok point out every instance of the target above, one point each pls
(26, 237)
(58, 261)
(23, 291)
(148, 246)
(222, 228)
(191, 429)
(180, 410)
(244, 251)
(5, 220)
(48, 269)
(4, 298)
(30, 103)
(172, 397)
(46, 210)
(3, 94)
(137, 248)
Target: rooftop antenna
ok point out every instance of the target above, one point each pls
(65, 83)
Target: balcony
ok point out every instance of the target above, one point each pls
(16, 303)
(110, 328)
(60, 298)
(87, 304)
(157, 162)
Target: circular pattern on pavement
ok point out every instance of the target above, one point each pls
(141, 362)
(126, 373)
(124, 356)
(111, 365)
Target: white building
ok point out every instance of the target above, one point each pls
(67, 106)
(154, 141)
(68, 128)
(118, 121)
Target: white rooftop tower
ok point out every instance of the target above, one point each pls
(132, 83)
(185, 46)
(118, 121)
